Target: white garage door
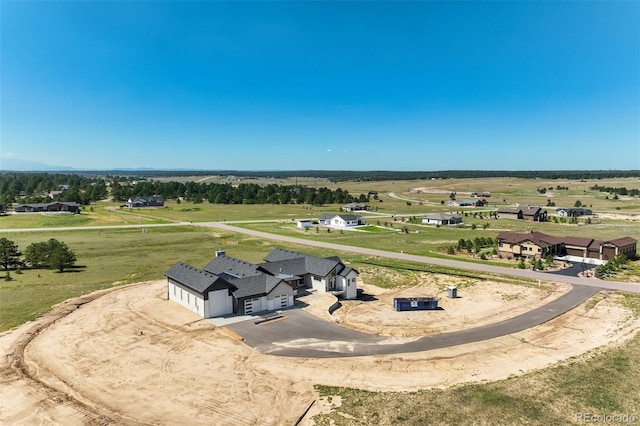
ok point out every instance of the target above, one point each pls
(218, 303)
(284, 300)
(252, 305)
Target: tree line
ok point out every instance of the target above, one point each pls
(225, 193)
(618, 191)
(28, 188)
(51, 254)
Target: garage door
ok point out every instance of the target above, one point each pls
(284, 300)
(252, 305)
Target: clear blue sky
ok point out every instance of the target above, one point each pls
(322, 85)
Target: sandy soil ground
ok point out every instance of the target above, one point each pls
(619, 216)
(131, 357)
(480, 303)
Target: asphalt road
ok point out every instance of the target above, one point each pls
(303, 335)
(522, 273)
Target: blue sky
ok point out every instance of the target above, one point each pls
(321, 85)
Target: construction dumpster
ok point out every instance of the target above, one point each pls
(415, 303)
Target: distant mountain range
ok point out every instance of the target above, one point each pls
(18, 165)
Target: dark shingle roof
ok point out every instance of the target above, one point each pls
(282, 254)
(197, 279)
(231, 266)
(526, 210)
(295, 266)
(64, 203)
(441, 216)
(258, 285)
(308, 265)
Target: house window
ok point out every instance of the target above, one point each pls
(175, 290)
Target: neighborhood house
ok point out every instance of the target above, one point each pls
(341, 220)
(536, 244)
(354, 207)
(533, 213)
(573, 212)
(153, 201)
(228, 286)
(466, 203)
(58, 206)
(441, 219)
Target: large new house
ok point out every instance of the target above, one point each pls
(533, 213)
(227, 285)
(536, 244)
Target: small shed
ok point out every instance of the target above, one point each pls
(415, 303)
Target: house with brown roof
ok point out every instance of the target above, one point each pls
(574, 249)
(529, 244)
(532, 213)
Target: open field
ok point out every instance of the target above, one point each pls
(600, 382)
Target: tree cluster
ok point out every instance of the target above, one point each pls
(618, 191)
(51, 254)
(475, 245)
(612, 267)
(27, 188)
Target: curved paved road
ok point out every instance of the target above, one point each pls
(302, 335)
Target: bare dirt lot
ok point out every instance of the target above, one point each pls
(478, 303)
(129, 356)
